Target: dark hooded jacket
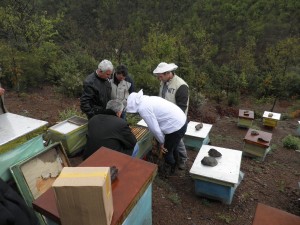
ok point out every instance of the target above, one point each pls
(109, 131)
(13, 209)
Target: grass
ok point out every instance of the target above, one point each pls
(205, 202)
(225, 218)
(291, 142)
(132, 119)
(174, 197)
(281, 186)
(69, 112)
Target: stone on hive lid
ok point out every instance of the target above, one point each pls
(199, 126)
(214, 153)
(209, 161)
(246, 113)
(254, 132)
(261, 139)
(270, 114)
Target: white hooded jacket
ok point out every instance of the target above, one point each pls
(161, 116)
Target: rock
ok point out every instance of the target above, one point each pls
(270, 114)
(254, 132)
(199, 126)
(113, 173)
(209, 161)
(214, 153)
(261, 139)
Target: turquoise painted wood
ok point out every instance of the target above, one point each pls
(25, 173)
(142, 211)
(195, 142)
(19, 153)
(216, 191)
(145, 145)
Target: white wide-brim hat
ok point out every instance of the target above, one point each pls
(165, 67)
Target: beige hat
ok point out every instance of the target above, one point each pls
(165, 67)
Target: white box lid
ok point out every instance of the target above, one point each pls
(228, 167)
(13, 126)
(276, 116)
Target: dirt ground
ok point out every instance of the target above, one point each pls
(273, 182)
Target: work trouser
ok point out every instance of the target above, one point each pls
(171, 144)
(182, 154)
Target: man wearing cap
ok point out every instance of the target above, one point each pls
(97, 90)
(176, 90)
(122, 85)
(166, 121)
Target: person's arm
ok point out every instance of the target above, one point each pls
(132, 87)
(182, 96)
(154, 127)
(2, 90)
(86, 99)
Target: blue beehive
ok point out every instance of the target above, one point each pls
(218, 182)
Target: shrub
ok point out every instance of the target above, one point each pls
(69, 112)
(291, 142)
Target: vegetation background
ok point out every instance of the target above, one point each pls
(243, 53)
(224, 49)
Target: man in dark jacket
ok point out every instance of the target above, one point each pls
(97, 90)
(13, 209)
(110, 131)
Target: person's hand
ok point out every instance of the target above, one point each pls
(163, 150)
(2, 91)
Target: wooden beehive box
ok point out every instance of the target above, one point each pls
(245, 118)
(36, 174)
(20, 137)
(144, 140)
(218, 182)
(71, 133)
(16, 130)
(254, 147)
(270, 119)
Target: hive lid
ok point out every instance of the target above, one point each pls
(13, 126)
(228, 167)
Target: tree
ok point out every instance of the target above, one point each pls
(28, 35)
(281, 60)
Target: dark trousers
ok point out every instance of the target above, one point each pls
(171, 142)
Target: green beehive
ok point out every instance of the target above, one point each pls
(20, 137)
(257, 144)
(245, 118)
(71, 133)
(144, 140)
(35, 174)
